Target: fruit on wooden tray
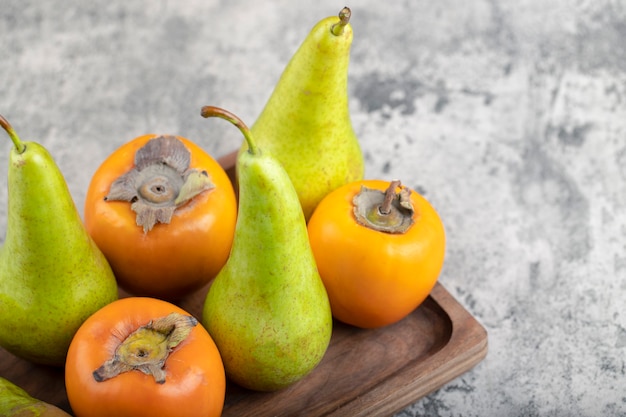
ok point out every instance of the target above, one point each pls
(52, 274)
(163, 212)
(15, 402)
(142, 356)
(306, 123)
(379, 247)
(267, 309)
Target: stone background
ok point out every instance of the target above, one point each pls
(509, 116)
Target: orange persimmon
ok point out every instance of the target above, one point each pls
(142, 356)
(163, 212)
(379, 252)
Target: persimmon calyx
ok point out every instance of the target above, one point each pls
(160, 182)
(389, 211)
(147, 348)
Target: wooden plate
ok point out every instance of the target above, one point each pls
(364, 372)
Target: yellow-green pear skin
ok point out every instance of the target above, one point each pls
(306, 122)
(15, 402)
(267, 310)
(52, 274)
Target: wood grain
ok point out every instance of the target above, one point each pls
(364, 372)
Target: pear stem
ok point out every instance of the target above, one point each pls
(344, 19)
(212, 111)
(19, 146)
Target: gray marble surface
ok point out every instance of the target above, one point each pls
(509, 116)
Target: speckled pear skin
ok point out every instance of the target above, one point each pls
(52, 275)
(15, 402)
(267, 309)
(306, 122)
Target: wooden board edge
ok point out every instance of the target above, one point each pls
(468, 346)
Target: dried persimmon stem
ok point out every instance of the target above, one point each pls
(369, 206)
(390, 195)
(160, 182)
(147, 348)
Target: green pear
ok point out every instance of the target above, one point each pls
(267, 309)
(15, 402)
(306, 122)
(52, 275)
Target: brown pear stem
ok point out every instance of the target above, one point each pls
(344, 19)
(212, 111)
(19, 146)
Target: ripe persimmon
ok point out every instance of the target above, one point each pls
(163, 212)
(142, 356)
(379, 252)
